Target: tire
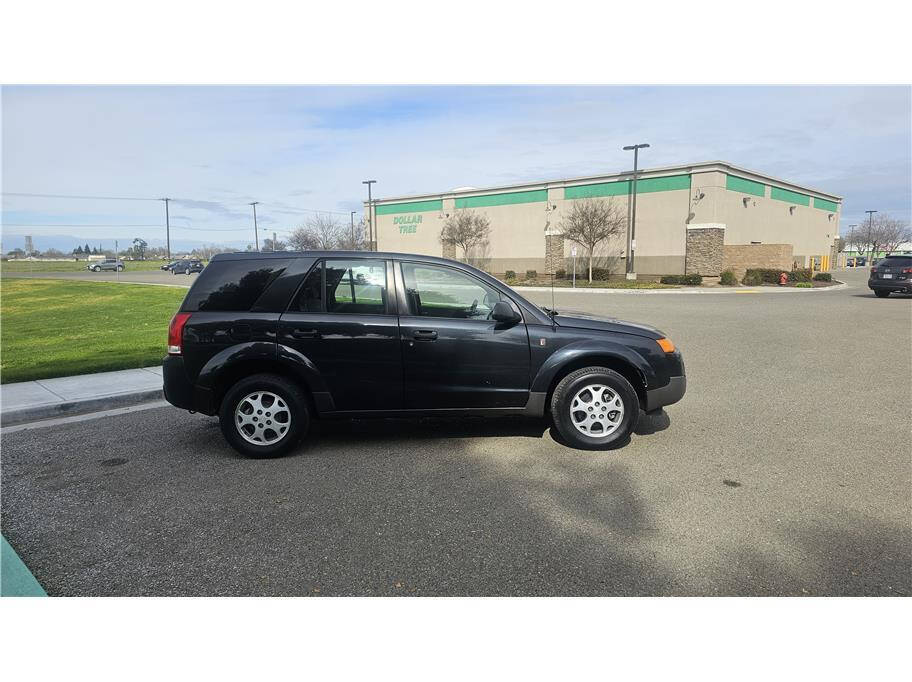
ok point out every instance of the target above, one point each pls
(96, 269)
(173, 272)
(881, 293)
(187, 271)
(120, 268)
(619, 393)
(294, 402)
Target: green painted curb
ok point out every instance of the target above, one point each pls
(15, 578)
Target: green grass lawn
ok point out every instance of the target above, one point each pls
(54, 328)
(71, 266)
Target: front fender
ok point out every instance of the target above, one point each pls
(579, 350)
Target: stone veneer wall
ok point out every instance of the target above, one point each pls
(704, 250)
(449, 251)
(554, 253)
(739, 257)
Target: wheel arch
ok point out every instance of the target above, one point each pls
(227, 368)
(625, 366)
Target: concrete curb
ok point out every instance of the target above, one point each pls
(683, 290)
(74, 407)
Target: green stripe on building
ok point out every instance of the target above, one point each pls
(826, 205)
(789, 196)
(15, 578)
(601, 189)
(736, 184)
(622, 187)
(410, 207)
(504, 199)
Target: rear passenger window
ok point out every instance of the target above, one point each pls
(345, 286)
(233, 285)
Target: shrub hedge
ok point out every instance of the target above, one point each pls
(771, 275)
(531, 274)
(560, 274)
(728, 279)
(510, 274)
(692, 280)
(823, 277)
(803, 285)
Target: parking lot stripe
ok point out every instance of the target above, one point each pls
(15, 578)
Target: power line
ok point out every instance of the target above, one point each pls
(73, 196)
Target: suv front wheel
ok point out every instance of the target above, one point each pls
(594, 408)
(264, 415)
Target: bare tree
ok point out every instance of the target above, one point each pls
(592, 222)
(891, 233)
(353, 242)
(279, 245)
(467, 230)
(302, 239)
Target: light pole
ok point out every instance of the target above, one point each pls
(370, 214)
(256, 237)
(631, 230)
(353, 230)
(167, 227)
(871, 234)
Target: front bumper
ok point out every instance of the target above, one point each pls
(671, 393)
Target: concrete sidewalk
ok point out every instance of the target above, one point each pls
(49, 398)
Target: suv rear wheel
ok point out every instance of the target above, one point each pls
(264, 415)
(594, 408)
(881, 293)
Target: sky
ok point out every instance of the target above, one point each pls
(302, 149)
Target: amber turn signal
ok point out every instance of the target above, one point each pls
(666, 345)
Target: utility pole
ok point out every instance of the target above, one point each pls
(370, 214)
(631, 230)
(167, 226)
(273, 241)
(353, 230)
(256, 237)
(871, 234)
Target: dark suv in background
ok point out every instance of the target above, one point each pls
(269, 341)
(893, 273)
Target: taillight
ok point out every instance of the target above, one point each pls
(176, 333)
(907, 271)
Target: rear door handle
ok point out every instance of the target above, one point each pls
(305, 333)
(425, 335)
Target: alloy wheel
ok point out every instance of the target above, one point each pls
(596, 411)
(262, 418)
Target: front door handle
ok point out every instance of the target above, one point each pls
(425, 335)
(305, 333)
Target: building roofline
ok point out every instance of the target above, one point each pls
(703, 166)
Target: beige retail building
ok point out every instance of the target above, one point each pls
(697, 218)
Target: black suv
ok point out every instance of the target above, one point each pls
(893, 273)
(186, 266)
(269, 341)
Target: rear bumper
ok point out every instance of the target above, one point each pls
(671, 393)
(183, 393)
(888, 285)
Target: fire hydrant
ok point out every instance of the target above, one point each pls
(783, 279)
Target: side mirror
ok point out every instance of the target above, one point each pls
(503, 312)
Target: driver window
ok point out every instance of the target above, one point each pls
(436, 291)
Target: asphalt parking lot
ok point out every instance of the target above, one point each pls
(784, 471)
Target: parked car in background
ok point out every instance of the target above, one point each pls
(168, 266)
(893, 273)
(113, 264)
(185, 267)
(271, 341)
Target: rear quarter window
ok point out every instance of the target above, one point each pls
(232, 285)
(895, 262)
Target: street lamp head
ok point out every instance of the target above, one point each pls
(368, 182)
(630, 148)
